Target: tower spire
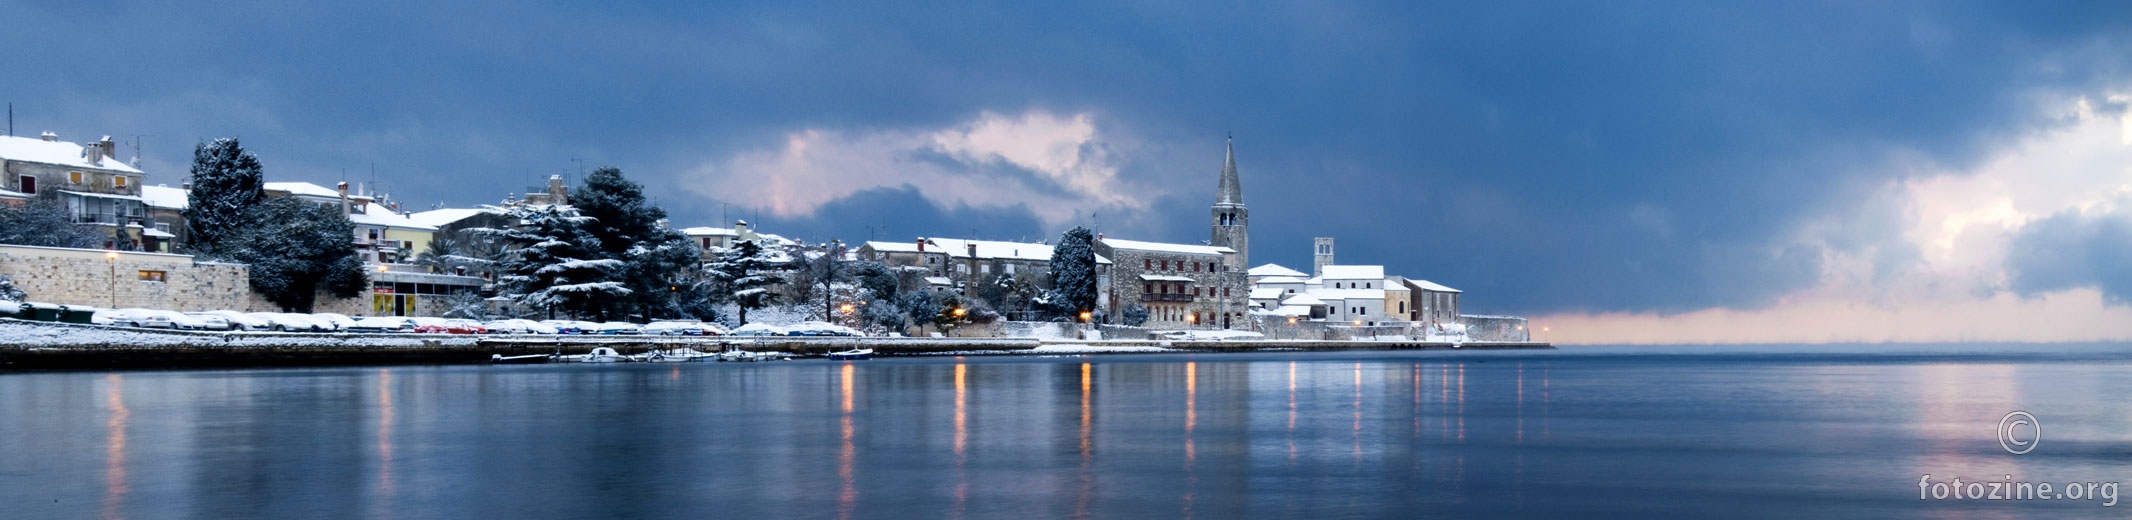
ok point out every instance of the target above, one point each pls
(1231, 190)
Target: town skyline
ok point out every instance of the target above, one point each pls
(1708, 182)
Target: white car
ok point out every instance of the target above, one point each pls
(519, 327)
(818, 328)
(758, 329)
(679, 328)
(182, 321)
(213, 321)
(378, 324)
(288, 322)
(242, 321)
(141, 318)
(339, 321)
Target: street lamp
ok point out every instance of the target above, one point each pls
(113, 257)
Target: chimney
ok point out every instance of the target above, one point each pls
(49, 137)
(1099, 237)
(557, 193)
(921, 245)
(343, 188)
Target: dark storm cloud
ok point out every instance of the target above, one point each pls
(2073, 250)
(1545, 156)
(902, 214)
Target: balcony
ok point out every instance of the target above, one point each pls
(1170, 297)
(110, 219)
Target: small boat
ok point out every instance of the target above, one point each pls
(529, 359)
(677, 355)
(598, 355)
(854, 354)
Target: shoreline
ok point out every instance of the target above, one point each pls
(55, 346)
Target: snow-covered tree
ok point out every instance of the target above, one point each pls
(449, 254)
(308, 247)
(920, 307)
(553, 265)
(9, 292)
(1073, 273)
(468, 305)
(632, 230)
(1135, 315)
(226, 183)
(882, 312)
(876, 278)
(45, 222)
(745, 275)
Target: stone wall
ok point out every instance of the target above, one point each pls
(88, 277)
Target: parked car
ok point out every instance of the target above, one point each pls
(444, 326)
(340, 322)
(140, 318)
(470, 326)
(382, 324)
(213, 321)
(288, 322)
(182, 321)
(618, 328)
(758, 329)
(679, 328)
(818, 328)
(242, 321)
(564, 326)
(519, 327)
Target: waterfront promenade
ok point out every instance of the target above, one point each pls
(39, 345)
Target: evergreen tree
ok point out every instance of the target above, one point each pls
(874, 277)
(45, 222)
(882, 312)
(744, 274)
(1073, 273)
(1135, 315)
(554, 265)
(632, 230)
(309, 247)
(9, 292)
(920, 307)
(226, 183)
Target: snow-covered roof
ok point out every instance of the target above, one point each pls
(1190, 249)
(710, 232)
(1266, 293)
(441, 217)
(100, 195)
(1165, 278)
(1302, 299)
(379, 215)
(153, 232)
(1274, 270)
(1432, 286)
(1291, 310)
(10, 194)
(1353, 272)
(304, 189)
(160, 196)
(986, 249)
(37, 150)
(1280, 279)
(939, 280)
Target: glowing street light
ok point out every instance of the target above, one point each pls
(382, 268)
(846, 308)
(1087, 316)
(959, 312)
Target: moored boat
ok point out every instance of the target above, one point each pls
(598, 355)
(529, 359)
(853, 354)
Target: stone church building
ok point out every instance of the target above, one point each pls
(1189, 286)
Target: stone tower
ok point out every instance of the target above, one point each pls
(1231, 221)
(1322, 256)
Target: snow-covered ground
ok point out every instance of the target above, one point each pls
(31, 334)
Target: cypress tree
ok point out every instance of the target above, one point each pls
(226, 183)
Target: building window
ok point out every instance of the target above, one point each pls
(162, 226)
(152, 276)
(1147, 264)
(1224, 292)
(1165, 265)
(119, 181)
(1146, 287)
(1165, 288)
(1195, 292)
(28, 184)
(74, 177)
(1369, 285)
(1195, 267)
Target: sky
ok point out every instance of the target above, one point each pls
(1619, 172)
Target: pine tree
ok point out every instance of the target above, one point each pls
(744, 274)
(226, 183)
(309, 247)
(554, 265)
(632, 230)
(1073, 273)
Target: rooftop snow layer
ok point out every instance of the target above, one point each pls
(160, 196)
(37, 150)
(1165, 278)
(1189, 249)
(1432, 286)
(442, 217)
(1275, 270)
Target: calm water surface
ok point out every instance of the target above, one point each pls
(1579, 432)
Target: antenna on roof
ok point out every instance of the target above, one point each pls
(10, 118)
(136, 146)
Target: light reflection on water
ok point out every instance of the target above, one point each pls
(1380, 434)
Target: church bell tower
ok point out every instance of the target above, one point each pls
(1231, 220)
